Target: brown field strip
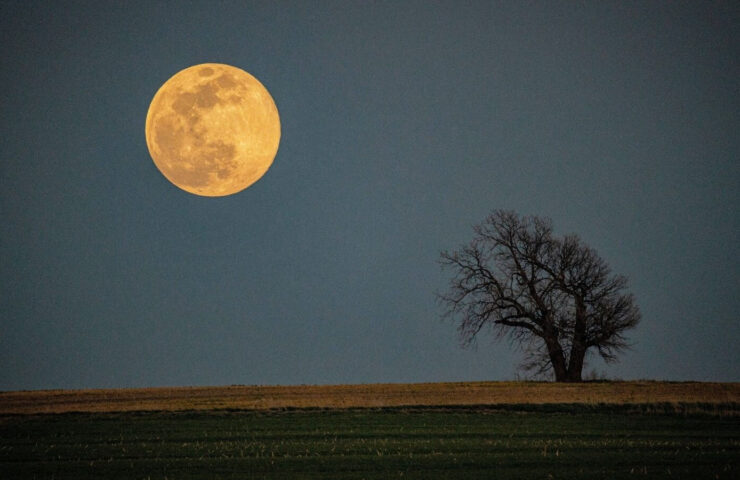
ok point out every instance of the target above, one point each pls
(371, 395)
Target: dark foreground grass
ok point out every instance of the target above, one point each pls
(370, 444)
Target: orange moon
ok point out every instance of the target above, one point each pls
(212, 129)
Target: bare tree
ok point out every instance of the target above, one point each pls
(554, 297)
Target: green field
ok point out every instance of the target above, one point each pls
(462, 443)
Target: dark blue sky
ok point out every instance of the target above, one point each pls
(403, 124)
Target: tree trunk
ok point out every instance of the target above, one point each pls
(575, 364)
(577, 349)
(557, 359)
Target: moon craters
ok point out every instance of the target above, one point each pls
(213, 130)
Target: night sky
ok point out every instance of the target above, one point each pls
(403, 125)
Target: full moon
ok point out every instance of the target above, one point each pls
(212, 129)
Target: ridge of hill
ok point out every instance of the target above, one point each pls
(240, 397)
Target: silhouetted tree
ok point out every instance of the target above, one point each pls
(554, 297)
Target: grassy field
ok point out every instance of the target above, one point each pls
(370, 444)
(374, 395)
(689, 431)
